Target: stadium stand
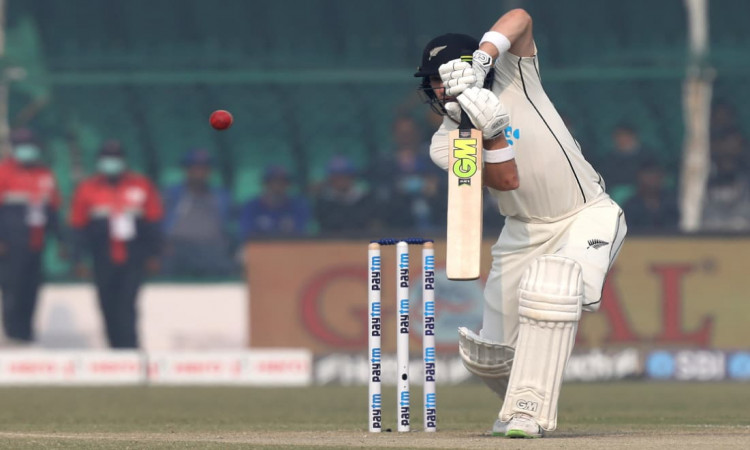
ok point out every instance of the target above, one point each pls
(331, 80)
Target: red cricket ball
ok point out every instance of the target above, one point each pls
(221, 120)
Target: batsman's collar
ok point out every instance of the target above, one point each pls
(442, 49)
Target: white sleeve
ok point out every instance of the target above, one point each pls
(439, 147)
(507, 71)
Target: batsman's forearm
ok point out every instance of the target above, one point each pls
(501, 176)
(495, 144)
(440, 146)
(516, 25)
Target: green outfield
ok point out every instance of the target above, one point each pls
(632, 415)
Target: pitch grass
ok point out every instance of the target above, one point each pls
(622, 415)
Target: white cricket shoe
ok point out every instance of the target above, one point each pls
(523, 426)
(499, 428)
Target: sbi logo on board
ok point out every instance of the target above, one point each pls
(701, 365)
(660, 365)
(738, 366)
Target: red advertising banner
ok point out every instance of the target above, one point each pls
(662, 292)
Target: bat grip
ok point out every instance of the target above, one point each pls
(465, 121)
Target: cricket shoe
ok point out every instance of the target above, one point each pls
(523, 426)
(500, 428)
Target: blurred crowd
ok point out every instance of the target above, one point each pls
(119, 227)
(646, 187)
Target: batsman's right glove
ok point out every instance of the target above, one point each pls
(485, 110)
(459, 75)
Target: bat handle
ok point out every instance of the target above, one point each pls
(466, 55)
(465, 121)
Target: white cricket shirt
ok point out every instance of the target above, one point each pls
(555, 180)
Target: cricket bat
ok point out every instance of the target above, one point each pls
(464, 240)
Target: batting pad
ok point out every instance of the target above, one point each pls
(489, 360)
(550, 298)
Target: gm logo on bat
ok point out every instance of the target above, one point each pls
(465, 152)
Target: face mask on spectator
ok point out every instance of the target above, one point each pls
(26, 153)
(111, 165)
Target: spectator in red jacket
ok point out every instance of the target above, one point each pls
(116, 217)
(29, 204)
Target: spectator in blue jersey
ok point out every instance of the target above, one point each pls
(197, 223)
(418, 201)
(343, 204)
(276, 211)
(403, 177)
(402, 163)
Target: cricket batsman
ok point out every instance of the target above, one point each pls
(562, 231)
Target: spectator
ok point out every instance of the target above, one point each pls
(419, 201)
(116, 217)
(29, 204)
(408, 156)
(727, 203)
(432, 119)
(404, 179)
(196, 223)
(343, 204)
(275, 212)
(620, 165)
(723, 119)
(653, 207)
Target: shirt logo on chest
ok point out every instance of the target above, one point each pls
(512, 135)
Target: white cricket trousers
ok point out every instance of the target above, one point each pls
(592, 236)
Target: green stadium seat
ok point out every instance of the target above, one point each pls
(248, 183)
(621, 193)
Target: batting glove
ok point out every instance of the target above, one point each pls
(485, 110)
(458, 75)
(454, 111)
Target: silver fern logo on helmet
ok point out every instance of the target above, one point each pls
(435, 51)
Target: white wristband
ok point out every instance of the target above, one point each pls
(499, 40)
(499, 156)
